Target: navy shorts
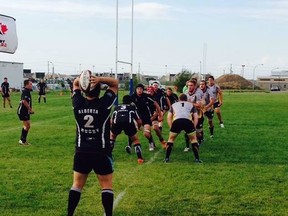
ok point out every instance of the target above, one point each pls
(24, 117)
(182, 124)
(100, 163)
(209, 114)
(128, 128)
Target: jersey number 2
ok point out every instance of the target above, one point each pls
(89, 119)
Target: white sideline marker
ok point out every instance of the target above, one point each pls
(122, 193)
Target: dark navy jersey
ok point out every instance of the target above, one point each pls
(42, 87)
(125, 113)
(93, 122)
(143, 104)
(26, 95)
(160, 97)
(173, 98)
(5, 88)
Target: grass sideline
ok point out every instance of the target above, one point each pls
(244, 171)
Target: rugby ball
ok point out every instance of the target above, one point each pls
(84, 81)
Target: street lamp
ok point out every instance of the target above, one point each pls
(53, 78)
(254, 74)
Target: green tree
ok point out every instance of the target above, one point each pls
(181, 79)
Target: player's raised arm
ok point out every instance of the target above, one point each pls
(111, 82)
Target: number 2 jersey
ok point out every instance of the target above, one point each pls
(93, 122)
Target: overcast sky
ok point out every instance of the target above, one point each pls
(168, 35)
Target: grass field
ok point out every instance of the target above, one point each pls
(244, 172)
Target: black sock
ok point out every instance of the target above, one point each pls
(211, 130)
(112, 143)
(151, 139)
(138, 150)
(39, 100)
(195, 150)
(129, 141)
(160, 128)
(44, 99)
(168, 149)
(73, 200)
(24, 135)
(107, 201)
(187, 140)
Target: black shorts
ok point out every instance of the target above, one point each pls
(200, 123)
(24, 117)
(146, 120)
(182, 124)
(100, 163)
(128, 128)
(6, 95)
(216, 105)
(209, 114)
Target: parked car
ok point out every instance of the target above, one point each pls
(275, 88)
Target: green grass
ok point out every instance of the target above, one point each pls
(244, 172)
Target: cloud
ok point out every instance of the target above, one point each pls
(146, 10)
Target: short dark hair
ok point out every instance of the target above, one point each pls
(5, 77)
(26, 82)
(127, 99)
(211, 77)
(183, 97)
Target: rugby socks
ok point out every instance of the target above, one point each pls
(138, 150)
(211, 129)
(23, 135)
(44, 99)
(195, 150)
(168, 150)
(160, 127)
(107, 201)
(112, 143)
(187, 140)
(73, 200)
(129, 141)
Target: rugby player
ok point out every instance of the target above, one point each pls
(172, 97)
(193, 96)
(42, 90)
(179, 118)
(93, 150)
(207, 102)
(154, 117)
(143, 102)
(24, 110)
(161, 98)
(125, 117)
(5, 91)
(217, 93)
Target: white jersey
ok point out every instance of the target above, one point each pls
(214, 90)
(195, 96)
(182, 110)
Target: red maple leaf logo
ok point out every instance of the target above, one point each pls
(3, 29)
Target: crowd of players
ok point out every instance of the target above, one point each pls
(187, 113)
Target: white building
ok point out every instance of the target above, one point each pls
(14, 72)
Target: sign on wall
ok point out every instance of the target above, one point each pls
(8, 35)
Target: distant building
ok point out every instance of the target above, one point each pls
(276, 80)
(14, 72)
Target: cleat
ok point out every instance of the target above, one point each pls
(186, 149)
(221, 125)
(164, 144)
(128, 149)
(24, 143)
(151, 146)
(166, 160)
(198, 161)
(211, 136)
(140, 160)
